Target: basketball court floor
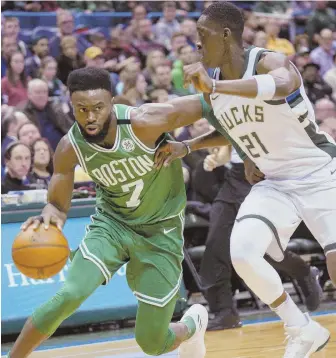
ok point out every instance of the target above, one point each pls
(263, 338)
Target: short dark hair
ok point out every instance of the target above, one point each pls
(225, 14)
(10, 148)
(89, 78)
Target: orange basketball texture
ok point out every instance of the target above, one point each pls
(40, 254)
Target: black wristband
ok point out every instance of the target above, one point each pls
(187, 146)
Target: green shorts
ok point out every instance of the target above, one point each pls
(153, 253)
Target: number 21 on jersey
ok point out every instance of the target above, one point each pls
(253, 144)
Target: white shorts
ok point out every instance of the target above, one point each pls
(282, 205)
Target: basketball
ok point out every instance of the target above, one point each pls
(40, 253)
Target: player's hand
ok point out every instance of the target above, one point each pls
(168, 152)
(49, 215)
(252, 173)
(210, 161)
(198, 76)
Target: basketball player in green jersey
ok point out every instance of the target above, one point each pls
(139, 216)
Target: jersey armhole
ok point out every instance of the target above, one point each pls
(137, 140)
(76, 148)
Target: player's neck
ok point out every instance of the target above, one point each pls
(233, 68)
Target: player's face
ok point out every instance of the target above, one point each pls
(92, 110)
(211, 44)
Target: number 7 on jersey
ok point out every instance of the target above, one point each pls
(134, 200)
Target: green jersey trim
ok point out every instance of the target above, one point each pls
(77, 150)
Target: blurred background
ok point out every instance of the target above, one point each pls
(144, 45)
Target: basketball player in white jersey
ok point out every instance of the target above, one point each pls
(258, 99)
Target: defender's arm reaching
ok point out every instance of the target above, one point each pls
(276, 78)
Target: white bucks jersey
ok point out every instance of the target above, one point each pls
(280, 136)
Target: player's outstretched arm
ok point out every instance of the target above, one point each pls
(60, 188)
(276, 78)
(154, 119)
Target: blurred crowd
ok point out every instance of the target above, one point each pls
(145, 57)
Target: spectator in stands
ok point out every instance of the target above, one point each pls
(119, 47)
(162, 78)
(135, 89)
(11, 28)
(167, 25)
(322, 17)
(27, 133)
(131, 69)
(158, 95)
(42, 166)
(69, 59)
(260, 39)
(33, 6)
(52, 122)
(9, 130)
(98, 40)
(145, 41)
(315, 87)
(301, 59)
(324, 108)
(248, 36)
(48, 73)
(14, 85)
(66, 27)
(186, 56)
(8, 46)
(272, 29)
(323, 55)
(330, 78)
(40, 49)
(178, 40)
(301, 43)
(18, 162)
(188, 28)
(93, 57)
(154, 58)
(272, 7)
(139, 12)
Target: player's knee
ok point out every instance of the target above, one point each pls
(70, 298)
(151, 343)
(243, 248)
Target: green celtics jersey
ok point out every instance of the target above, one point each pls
(129, 188)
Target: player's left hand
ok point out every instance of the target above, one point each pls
(252, 173)
(198, 76)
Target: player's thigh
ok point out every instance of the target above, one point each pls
(105, 244)
(318, 210)
(266, 206)
(154, 272)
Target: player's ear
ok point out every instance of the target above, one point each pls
(226, 33)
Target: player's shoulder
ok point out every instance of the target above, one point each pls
(65, 150)
(270, 61)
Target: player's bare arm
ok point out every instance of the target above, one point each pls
(60, 188)
(275, 79)
(150, 121)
